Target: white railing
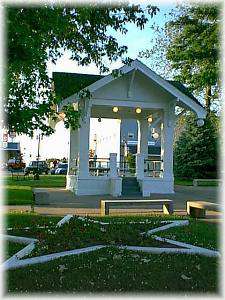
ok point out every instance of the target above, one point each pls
(99, 166)
(153, 168)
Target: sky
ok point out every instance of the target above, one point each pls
(57, 144)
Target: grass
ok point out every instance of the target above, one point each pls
(79, 233)
(19, 192)
(189, 182)
(198, 233)
(12, 248)
(186, 182)
(118, 271)
(206, 183)
(21, 220)
(112, 269)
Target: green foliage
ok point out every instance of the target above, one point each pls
(131, 161)
(189, 48)
(196, 150)
(41, 34)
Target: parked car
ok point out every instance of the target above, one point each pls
(41, 166)
(52, 171)
(15, 164)
(61, 168)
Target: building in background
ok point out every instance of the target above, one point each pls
(8, 146)
(129, 139)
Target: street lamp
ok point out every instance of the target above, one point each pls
(39, 137)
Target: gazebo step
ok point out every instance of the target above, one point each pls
(130, 187)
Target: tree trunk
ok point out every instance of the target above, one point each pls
(208, 94)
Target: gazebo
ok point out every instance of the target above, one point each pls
(138, 93)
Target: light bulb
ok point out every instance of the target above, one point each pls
(155, 135)
(149, 119)
(115, 109)
(138, 110)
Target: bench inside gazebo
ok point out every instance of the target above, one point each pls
(141, 94)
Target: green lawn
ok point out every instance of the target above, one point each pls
(20, 220)
(198, 233)
(112, 269)
(189, 182)
(19, 192)
(12, 248)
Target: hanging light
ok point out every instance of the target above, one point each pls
(99, 119)
(150, 119)
(155, 135)
(138, 110)
(115, 109)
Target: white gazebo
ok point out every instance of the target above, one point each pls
(141, 94)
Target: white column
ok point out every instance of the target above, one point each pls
(84, 132)
(73, 151)
(143, 137)
(113, 165)
(167, 132)
(139, 166)
(142, 147)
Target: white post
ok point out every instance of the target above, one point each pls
(73, 151)
(143, 137)
(139, 166)
(115, 180)
(113, 165)
(84, 132)
(142, 148)
(167, 132)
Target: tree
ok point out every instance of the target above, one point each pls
(189, 47)
(37, 35)
(196, 150)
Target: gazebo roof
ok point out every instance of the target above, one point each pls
(67, 84)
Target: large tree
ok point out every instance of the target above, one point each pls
(196, 150)
(188, 47)
(37, 35)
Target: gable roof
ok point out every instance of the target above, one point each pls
(94, 82)
(67, 84)
(184, 90)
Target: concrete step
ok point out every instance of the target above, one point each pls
(130, 187)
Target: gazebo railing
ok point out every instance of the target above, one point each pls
(124, 168)
(99, 166)
(153, 168)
